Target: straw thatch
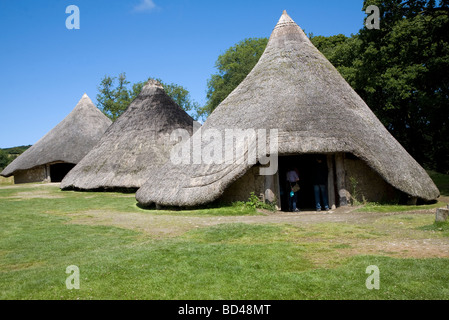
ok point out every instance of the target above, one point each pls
(134, 146)
(68, 142)
(295, 89)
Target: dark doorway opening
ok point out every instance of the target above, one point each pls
(304, 164)
(59, 170)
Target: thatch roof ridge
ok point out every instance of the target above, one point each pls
(134, 146)
(295, 89)
(69, 141)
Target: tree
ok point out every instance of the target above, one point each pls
(233, 66)
(116, 94)
(16, 151)
(341, 51)
(113, 100)
(403, 74)
(4, 159)
(181, 96)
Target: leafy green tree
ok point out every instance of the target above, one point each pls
(4, 159)
(341, 51)
(403, 74)
(16, 150)
(113, 99)
(233, 66)
(181, 96)
(116, 94)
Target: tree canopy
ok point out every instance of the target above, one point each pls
(233, 66)
(117, 93)
(4, 160)
(402, 72)
(7, 155)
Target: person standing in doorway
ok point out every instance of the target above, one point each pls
(319, 184)
(292, 180)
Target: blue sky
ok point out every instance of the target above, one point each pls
(46, 68)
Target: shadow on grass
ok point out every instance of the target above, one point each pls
(442, 227)
(103, 190)
(384, 208)
(212, 209)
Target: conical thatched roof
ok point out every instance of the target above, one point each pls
(295, 89)
(134, 146)
(68, 142)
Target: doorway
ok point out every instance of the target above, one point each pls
(304, 164)
(59, 170)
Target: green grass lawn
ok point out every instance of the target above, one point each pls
(44, 230)
(376, 207)
(6, 181)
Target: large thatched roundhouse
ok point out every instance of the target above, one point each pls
(134, 146)
(49, 159)
(295, 89)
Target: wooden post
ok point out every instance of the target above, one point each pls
(341, 181)
(47, 173)
(277, 191)
(272, 191)
(331, 182)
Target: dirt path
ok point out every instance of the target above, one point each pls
(401, 243)
(175, 225)
(30, 185)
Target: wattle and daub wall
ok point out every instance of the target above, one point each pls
(361, 184)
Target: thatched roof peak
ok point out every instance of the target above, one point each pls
(287, 29)
(154, 83)
(151, 87)
(85, 102)
(285, 18)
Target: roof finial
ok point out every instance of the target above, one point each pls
(285, 12)
(154, 83)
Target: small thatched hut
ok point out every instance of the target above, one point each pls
(296, 90)
(134, 146)
(53, 156)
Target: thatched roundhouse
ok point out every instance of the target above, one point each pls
(296, 90)
(53, 156)
(134, 146)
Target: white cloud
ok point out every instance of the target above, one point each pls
(145, 5)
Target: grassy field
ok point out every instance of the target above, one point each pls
(234, 252)
(6, 181)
